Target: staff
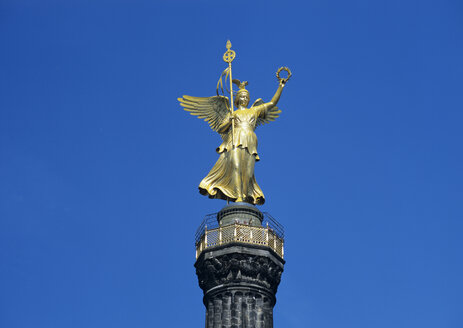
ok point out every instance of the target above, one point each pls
(228, 57)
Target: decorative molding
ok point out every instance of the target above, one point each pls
(239, 268)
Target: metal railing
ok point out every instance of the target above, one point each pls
(270, 235)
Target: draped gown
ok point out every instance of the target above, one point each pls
(232, 176)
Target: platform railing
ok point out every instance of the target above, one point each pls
(239, 233)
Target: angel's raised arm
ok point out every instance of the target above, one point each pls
(267, 112)
(263, 108)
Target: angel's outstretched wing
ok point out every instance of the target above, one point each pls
(269, 115)
(213, 110)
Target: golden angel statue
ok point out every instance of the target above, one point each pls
(232, 177)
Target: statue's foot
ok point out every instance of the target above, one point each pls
(239, 199)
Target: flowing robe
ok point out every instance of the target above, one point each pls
(232, 176)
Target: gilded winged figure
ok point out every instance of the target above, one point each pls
(232, 176)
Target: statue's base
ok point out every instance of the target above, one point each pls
(241, 213)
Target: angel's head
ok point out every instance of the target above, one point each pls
(242, 98)
(242, 95)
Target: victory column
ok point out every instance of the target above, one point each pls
(239, 250)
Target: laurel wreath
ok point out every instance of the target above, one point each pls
(283, 69)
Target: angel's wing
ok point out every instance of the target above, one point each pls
(213, 110)
(270, 115)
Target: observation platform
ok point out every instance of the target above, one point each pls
(240, 223)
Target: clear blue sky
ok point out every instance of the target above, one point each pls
(99, 165)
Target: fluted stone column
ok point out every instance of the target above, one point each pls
(239, 280)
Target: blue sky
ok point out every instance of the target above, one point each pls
(99, 165)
